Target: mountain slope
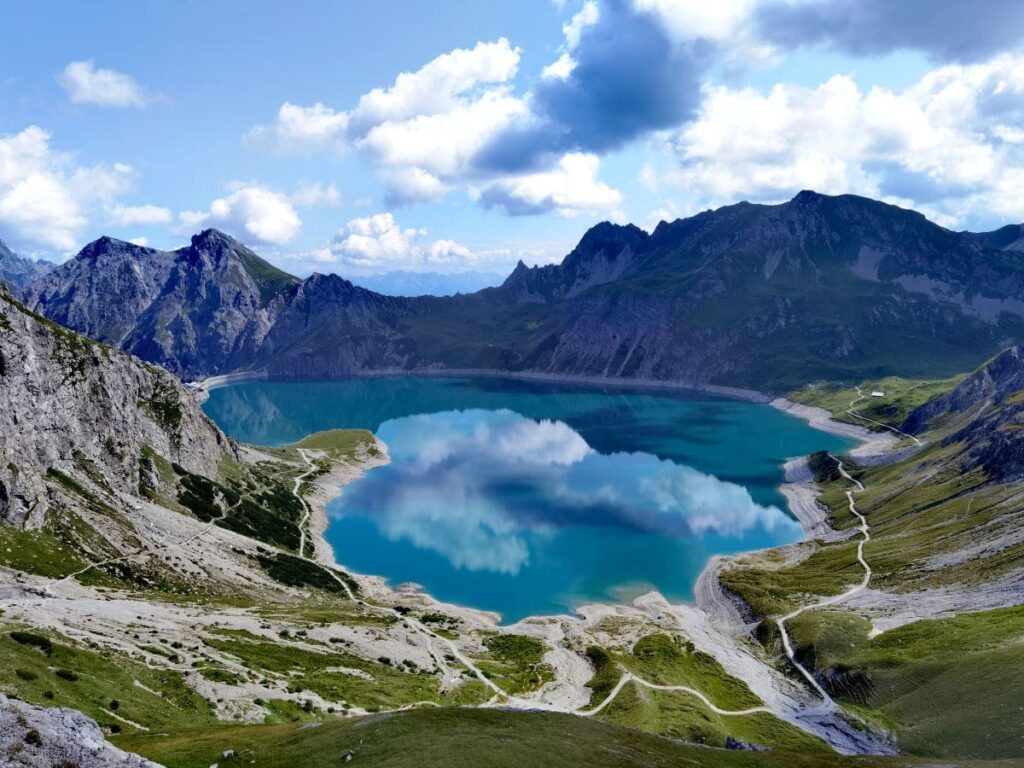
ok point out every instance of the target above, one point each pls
(763, 296)
(69, 405)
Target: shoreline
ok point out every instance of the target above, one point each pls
(716, 621)
(732, 393)
(797, 487)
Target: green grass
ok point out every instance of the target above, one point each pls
(345, 444)
(667, 660)
(315, 670)
(516, 663)
(38, 552)
(86, 679)
(462, 738)
(901, 397)
(948, 688)
(296, 572)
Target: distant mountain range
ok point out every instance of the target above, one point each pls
(405, 283)
(17, 271)
(767, 296)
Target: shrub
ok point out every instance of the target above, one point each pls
(29, 638)
(66, 674)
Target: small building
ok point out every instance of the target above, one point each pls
(878, 393)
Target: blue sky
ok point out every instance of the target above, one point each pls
(498, 130)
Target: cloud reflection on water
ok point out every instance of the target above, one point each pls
(478, 487)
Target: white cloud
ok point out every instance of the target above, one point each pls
(688, 19)
(587, 16)
(426, 130)
(302, 129)
(316, 194)
(140, 241)
(135, 215)
(435, 88)
(377, 240)
(249, 212)
(945, 145)
(46, 200)
(85, 84)
(449, 252)
(560, 68)
(570, 188)
(377, 243)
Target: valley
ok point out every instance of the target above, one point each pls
(181, 587)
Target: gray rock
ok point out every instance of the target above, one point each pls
(70, 404)
(34, 737)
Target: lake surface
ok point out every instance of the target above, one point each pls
(530, 498)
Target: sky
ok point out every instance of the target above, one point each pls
(365, 137)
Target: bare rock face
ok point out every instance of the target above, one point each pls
(34, 737)
(68, 403)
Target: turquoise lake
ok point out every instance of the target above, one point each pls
(530, 498)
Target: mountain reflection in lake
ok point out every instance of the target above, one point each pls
(527, 499)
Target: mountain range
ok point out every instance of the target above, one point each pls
(17, 271)
(405, 283)
(768, 296)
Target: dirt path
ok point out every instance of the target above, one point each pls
(857, 415)
(781, 621)
(865, 538)
(629, 677)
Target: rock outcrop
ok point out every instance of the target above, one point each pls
(69, 404)
(34, 737)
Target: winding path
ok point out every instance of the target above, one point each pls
(865, 538)
(857, 415)
(629, 677)
(781, 621)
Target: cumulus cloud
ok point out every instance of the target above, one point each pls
(377, 243)
(87, 84)
(941, 144)
(568, 189)
(301, 130)
(626, 75)
(135, 215)
(140, 241)
(427, 131)
(947, 31)
(46, 199)
(249, 212)
(316, 194)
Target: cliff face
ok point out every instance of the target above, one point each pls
(71, 405)
(763, 296)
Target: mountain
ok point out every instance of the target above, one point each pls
(405, 283)
(18, 271)
(200, 309)
(765, 296)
